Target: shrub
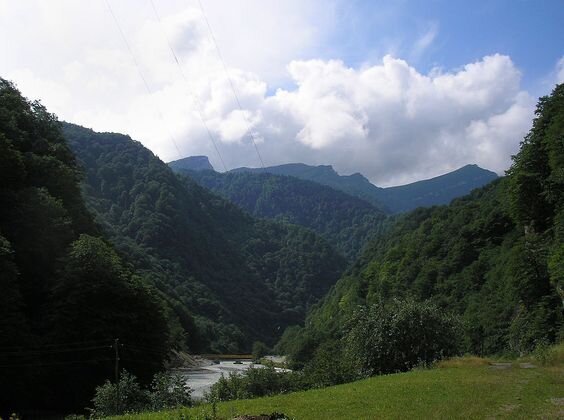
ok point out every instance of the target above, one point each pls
(169, 391)
(399, 336)
(126, 398)
(328, 366)
(166, 391)
(255, 382)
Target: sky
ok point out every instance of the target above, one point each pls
(396, 90)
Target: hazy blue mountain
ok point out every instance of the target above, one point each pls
(435, 191)
(193, 163)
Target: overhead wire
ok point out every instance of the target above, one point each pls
(194, 97)
(214, 40)
(34, 353)
(50, 345)
(137, 65)
(53, 351)
(67, 362)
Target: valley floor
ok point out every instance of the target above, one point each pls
(458, 388)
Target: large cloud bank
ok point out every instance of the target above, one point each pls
(386, 120)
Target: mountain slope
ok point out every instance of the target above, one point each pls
(241, 279)
(495, 257)
(344, 221)
(429, 192)
(65, 293)
(436, 191)
(355, 185)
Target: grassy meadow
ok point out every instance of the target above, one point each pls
(467, 387)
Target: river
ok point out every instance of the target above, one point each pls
(200, 379)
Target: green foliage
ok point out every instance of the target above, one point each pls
(556, 269)
(65, 292)
(98, 297)
(255, 382)
(259, 350)
(345, 221)
(124, 397)
(226, 278)
(399, 336)
(167, 391)
(329, 365)
(537, 174)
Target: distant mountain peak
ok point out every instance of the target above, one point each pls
(193, 163)
(428, 192)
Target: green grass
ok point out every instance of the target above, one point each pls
(459, 388)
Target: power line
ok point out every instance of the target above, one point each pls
(71, 362)
(249, 128)
(195, 99)
(147, 87)
(53, 351)
(49, 345)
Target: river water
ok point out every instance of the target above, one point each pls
(200, 379)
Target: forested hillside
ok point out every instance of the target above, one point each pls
(230, 278)
(345, 221)
(495, 258)
(65, 293)
(356, 184)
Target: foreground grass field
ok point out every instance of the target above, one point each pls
(459, 388)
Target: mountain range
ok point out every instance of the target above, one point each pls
(399, 199)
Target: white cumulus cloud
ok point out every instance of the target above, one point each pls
(387, 120)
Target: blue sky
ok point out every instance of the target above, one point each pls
(396, 90)
(530, 32)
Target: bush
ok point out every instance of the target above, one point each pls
(255, 382)
(399, 336)
(131, 397)
(169, 391)
(166, 391)
(328, 366)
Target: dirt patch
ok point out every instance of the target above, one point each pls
(499, 365)
(526, 366)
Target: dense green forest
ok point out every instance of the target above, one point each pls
(229, 278)
(66, 293)
(435, 191)
(495, 258)
(345, 221)
(356, 184)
